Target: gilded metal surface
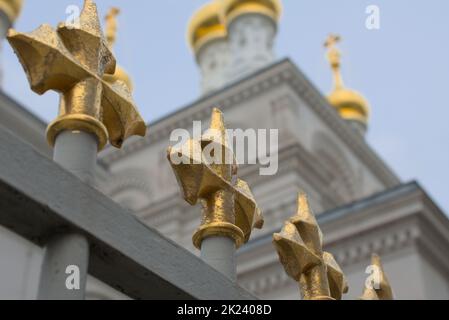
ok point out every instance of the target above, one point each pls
(300, 249)
(206, 26)
(229, 208)
(350, 104)
(235, 8)
(111, 36)
(381, 290)
(72, 61)
(11, 8)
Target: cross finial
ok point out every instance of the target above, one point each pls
(381, 289)
(334, 57)
(332, 40)
(72, 60)
(111, 36)
(111, 25)
(299, 245)
(206, 171)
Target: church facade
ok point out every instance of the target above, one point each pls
(360, 203)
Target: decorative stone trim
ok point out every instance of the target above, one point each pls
(263, 285)
(362, 250)
(358, 251)
(273, 76)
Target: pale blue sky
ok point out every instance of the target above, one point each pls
(403, 68)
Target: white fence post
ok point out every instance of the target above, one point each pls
(66, 255)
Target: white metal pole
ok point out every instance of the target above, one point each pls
(219, 253)
(76, 151)
(64, 269)
(66, 257)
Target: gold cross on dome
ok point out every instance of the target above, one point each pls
(111, 25)
(332, 41)
(334, 58)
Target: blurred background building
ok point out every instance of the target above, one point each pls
(361, 204)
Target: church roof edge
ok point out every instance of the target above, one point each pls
(358, 206)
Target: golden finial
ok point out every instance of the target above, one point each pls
(111, 37)
(334, 57)
(72, 61)
(350, 104)
(206, 171)
(111, 25)
(380, 288)
(299, 246)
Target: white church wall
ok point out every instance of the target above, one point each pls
(434, 283)
(402, 269)
(20, 267)
(316, 136)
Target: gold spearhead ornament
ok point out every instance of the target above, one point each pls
(380, 288)
(72, 60)
(206, 171)
(299, 246)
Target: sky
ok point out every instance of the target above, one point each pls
(401, 68)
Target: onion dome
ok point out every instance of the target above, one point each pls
(11, 8)
(206, 26)
(235, 8)
(350, 104)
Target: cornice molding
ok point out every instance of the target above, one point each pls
(199, 110)
(361, 246)
(423, 227)
(358, 251)
(283, 72)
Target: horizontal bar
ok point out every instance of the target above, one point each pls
(39, 199)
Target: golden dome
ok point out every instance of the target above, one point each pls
(350, 104)
(111, 34)
(234, 8)
(119, 75)
(11, 8)
(206, 25)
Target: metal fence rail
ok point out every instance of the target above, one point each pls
(39, 199)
